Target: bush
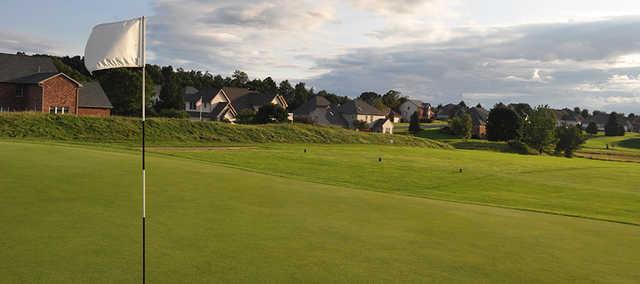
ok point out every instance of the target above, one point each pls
(360, 125)
(246, 116)
(270, 114)
(173, 113)
(592, 128)
(414, 124)
(520, 147)
(539, 130)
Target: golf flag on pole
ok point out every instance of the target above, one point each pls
(115, 45)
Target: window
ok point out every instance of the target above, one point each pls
(192, 105)
(58, 110)
(19, 92)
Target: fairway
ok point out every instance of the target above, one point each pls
(582, 187)
(72, 215)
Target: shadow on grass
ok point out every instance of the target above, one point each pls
(633, 143)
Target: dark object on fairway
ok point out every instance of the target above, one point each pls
(380, 159)
(305, 150)
(607, 146)
(460, 170)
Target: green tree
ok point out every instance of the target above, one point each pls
(123, 86)
(171, 92)
(592, 128)
(392, 99)
(613, 126)
(539, 130)
(585, 113)
(286, 90)
(414, 123)
(239, 79)
(461, 126)
(503, 124)
(270, 114)
(569, 139)
(300, 96)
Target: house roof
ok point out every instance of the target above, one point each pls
(379, 123)
(92, 95)
(207, 94)
(359, 106)
(190, 90)
(479, 116)
(311, 105)
(14, 67)
(217, 110)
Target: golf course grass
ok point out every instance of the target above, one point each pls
(581, 187)
(72, 215)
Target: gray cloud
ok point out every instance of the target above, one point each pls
(540, 64)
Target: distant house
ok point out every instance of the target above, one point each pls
(92, 101)
(383, 125)
(479, 118)
(225, 104)
(448, 111)
(568, 117)
(600, 119)
(409, 107)
(33, 83)
(359, 110)
(318, 110)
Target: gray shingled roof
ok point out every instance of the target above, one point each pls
(311, 105)
(207, 95)
(359, 106)
(92, 95)
(479, 116)
(14, 67)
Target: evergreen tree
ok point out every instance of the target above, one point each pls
(414, 123)
(613, 126)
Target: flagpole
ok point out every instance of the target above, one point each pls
(144, 185)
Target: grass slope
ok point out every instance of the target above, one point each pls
(621, 148)
(179, 132)
(589, 188)
(78, 222)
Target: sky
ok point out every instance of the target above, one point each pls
(562, 53)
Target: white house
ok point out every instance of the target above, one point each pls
(225, 104)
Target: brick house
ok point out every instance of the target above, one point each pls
(33, 83)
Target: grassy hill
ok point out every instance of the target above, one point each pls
(180, 132)
(620, 148)
(80, 223)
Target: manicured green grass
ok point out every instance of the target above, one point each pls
(71, 215)
(620, 148)
(629, 142)
(182, 132)
(590, 188)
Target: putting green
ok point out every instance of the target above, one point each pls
(71, 214)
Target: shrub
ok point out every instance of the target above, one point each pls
(520, 147)
(592, 128)
(173, 113)
(360, 125)
(246, 116)
(539, 130)
(270, 114)
(414, 124)
(613, 126)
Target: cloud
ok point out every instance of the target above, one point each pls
(540, 64)
(12, 42)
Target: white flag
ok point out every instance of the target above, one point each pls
(115, 45)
